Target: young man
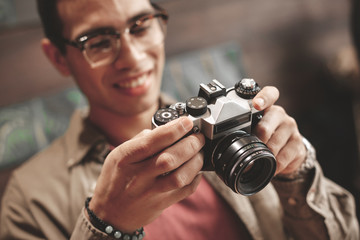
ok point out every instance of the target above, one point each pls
(151, 178)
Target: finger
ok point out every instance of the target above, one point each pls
(279, 139)
(163, 163)
(282, 134)
(142, 133)
(147, 145)
(143, 182)
(266, 98)
(182, 176)
(181, 193)
(291, 156)
(271, 120)
(176, 155)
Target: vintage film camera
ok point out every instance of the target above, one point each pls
(226, 117)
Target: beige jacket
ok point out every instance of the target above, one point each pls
(45, 197)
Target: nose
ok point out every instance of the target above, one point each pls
(129, 54)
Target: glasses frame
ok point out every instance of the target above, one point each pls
(80, 41)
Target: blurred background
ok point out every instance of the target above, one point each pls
(303, 48)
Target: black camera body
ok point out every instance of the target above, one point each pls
(226, 118)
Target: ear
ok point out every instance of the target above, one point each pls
(55, 56)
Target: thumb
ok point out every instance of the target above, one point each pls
(266, 98)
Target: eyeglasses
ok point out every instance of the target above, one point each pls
(102, 46)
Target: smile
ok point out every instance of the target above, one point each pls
(136, 82)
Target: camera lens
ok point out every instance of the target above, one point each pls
(243, 162)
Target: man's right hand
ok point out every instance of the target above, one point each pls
(145, 175)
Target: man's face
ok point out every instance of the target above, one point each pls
(129, 85)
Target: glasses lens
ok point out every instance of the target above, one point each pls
(148, 32)
(101, 50)
(145, 33)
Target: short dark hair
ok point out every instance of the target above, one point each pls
(51, 22)
(355, 25)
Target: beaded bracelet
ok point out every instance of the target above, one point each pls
(139, 234)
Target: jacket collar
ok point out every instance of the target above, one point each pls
(85, 142)
(83, 138)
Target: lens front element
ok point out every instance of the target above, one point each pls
(243, 162)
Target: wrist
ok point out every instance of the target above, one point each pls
(108, 228)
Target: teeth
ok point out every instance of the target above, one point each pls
(134, 83)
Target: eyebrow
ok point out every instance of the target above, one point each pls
(140, 15)
(111, 28)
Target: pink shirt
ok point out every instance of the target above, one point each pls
(202, 216)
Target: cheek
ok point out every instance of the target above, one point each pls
(86, 78)
(160, 61)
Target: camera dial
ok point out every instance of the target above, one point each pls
(247, 88)
(196, 106)
(165, 115)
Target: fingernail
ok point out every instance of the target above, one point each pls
(259, 101)
(186, 124)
